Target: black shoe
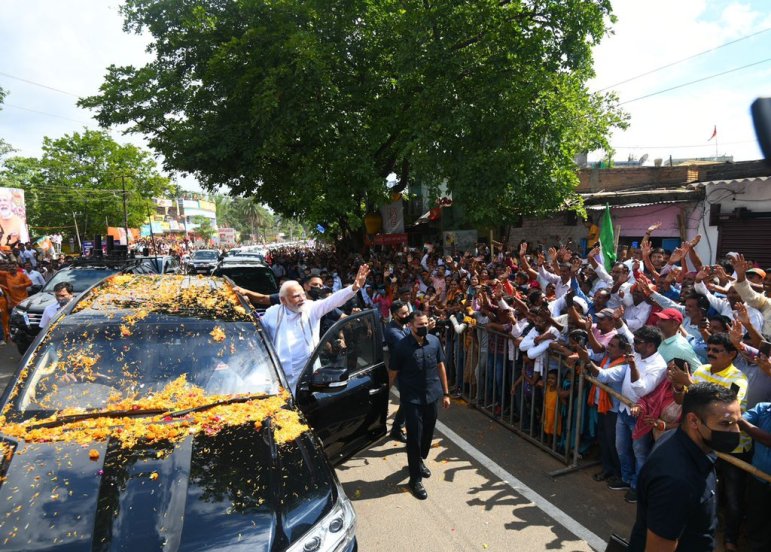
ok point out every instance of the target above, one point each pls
(617, 484)
(600, 476)
(631, 496)
(418, 490)
(397, 434)
(424, 471)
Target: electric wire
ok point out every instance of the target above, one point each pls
(683, 85)
(673, 63)
(14, 77)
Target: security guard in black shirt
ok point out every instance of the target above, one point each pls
(677, 506)
(417, 362)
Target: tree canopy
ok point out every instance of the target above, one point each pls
(308, 105)
(82, 176)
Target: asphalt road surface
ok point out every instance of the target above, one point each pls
(489, 490)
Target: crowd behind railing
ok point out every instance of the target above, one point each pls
(582, 359)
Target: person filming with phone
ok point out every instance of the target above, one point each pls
(642, 372)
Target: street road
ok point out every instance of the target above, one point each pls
(489, 490)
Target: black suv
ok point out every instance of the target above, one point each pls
(153, 414)
(202, 261)
(25, 317)
(249, 273)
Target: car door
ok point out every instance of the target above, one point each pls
(343, 391)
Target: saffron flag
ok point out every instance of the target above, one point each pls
(607, 240)
(714, 133)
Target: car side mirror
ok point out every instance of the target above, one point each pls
(329, 378)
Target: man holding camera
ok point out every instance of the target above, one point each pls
(417, 363)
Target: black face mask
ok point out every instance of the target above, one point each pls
(721, 441)
(315, 293)
(422, 331)
(402, 319)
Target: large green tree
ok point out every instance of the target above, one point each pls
(309, 104)
(81, 177)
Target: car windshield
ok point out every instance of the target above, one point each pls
(81, 279)
(81, 366)
(205, 255)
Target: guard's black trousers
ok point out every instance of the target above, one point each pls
(420, 421)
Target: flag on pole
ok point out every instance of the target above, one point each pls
(714, 133)
(607, 240)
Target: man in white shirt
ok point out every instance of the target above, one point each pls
(644, 371)
(293, 326)
(63, 291)
(35, 276)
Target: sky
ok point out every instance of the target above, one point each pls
(67, 45)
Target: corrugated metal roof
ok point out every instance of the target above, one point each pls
(599, 207)
(752, 179)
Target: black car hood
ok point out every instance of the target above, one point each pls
(38, 302)
(208, 493)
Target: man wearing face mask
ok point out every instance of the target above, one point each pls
(721, 354)
(63, 293)
(395, 331)
(417, 363)
(677, 506)
(293, 326)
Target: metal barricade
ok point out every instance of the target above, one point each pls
(492, 375)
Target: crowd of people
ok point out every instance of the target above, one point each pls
(648, 327)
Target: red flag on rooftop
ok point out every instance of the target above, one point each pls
(714, 133)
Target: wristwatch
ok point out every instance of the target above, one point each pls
(447, 394)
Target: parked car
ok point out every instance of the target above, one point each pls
(153, 414)
(248, 273)
(25, 317)
(202, 261)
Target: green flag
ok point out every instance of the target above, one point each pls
(607, 240)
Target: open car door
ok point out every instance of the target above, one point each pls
(343, 391)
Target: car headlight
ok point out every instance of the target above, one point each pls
(334, 533)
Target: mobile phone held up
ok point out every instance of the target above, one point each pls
(681, 364)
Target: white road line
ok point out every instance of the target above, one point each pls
(547, 507)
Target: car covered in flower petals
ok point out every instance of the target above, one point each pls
(153, 414)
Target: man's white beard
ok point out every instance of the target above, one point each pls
(293, 309)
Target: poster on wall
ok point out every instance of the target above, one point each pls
(393, 217)
(13, 216)
(459, 241)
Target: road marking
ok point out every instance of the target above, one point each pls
(518, 486)
(547, 507)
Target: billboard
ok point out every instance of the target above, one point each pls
(13, 216)
(227, 235)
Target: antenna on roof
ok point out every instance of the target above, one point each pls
(643, 159)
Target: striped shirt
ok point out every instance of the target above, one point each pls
(725, 378)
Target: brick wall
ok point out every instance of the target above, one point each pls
(595, 180)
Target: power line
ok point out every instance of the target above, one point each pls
(39, 84)
(45, 113)
(668, 65)
(695, 81)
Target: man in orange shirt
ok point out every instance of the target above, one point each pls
(13, 283)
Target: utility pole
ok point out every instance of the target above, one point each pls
(125, 212)
(77, 233)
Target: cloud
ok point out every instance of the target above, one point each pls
(655, 33)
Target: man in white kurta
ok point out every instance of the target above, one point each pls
(293, 325)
